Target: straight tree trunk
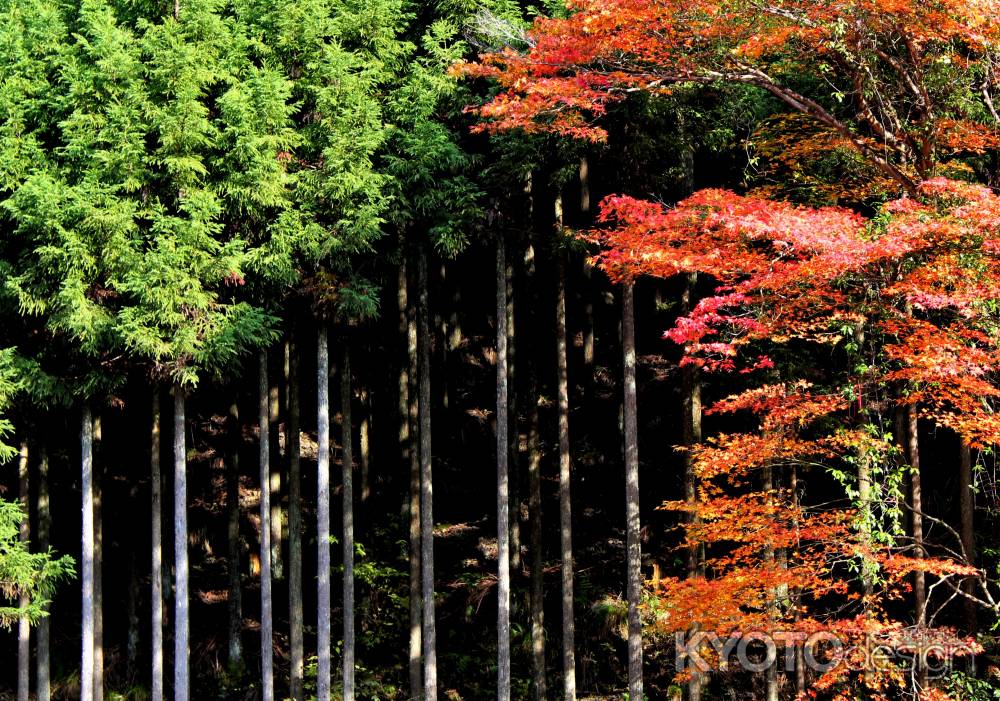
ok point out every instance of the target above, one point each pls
(771, 674)
(266, 552)
(513, 481)
(323, 517)
(293, 446)
(429, 634)
(503, 505)
(274, 480)
(43, 686)
(182, 621)
(23, 625)
(87, 554)
(588, 304)
(966, 484)
(534, 446)
(408, 418)
(235, 606)
(565, 503)
(364, 445)
(132, 603)
(917, 520)
(633, 545)
(98, 562)
(692, 436)
(156, 544)
(347, 477)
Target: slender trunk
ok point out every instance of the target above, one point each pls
(565, 504)
(513, 464)
(408, 410)
(588, 304)
(535, 516)
(293, 446)
(429, 633)
(98, 562)
(323, 517)
(503, 505)
(692, 436)
(917, 520)
(966, 484)
(23, 625)
(235, 607)
(87, 557)
(266, 551)
(364, 445)
(132, 603)
(156, 544)
(347, 477)
(43, 686)
(800, 656)
(274, 479)
(634, 555)
(771, 674)
(182, 648)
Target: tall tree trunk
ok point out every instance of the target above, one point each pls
(132, 602)
(43, 686)
(966, 484)
(539, 681)
(513, 436)
(771, 674)
(98, 561)
(23, 625)
(364, 445)
(503, 505)
(408, 410)
(266, 551)
(692, 436)
(235, 606)
(323, 675)
(565, 503)
(429, 634)
(917, 520)
(87, 554)
(274, 479)
(633, 545)
(156, 545)
(295, 605)
(182, 622)
(588, 304)
(347, 477)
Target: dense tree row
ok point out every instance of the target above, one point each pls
(267, 264)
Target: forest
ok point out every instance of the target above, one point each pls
(481, 349)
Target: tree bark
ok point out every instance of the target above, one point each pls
(364, 448)
(513, 464)
(156, 544)
(182, 648)
(692, 430)
(23, 625)
(87, 554)
(429, 634)
(347, 477)
(633, 545)
(588, 304)
(43, 686)
(503, 505)
(295, 605)
(966, 485)
(266, 550)
(917, 520)
(539, 681)
(565, 503)
(323, 517)
(408, 418)
(274, 479)
(235, 606)
(98, 562)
